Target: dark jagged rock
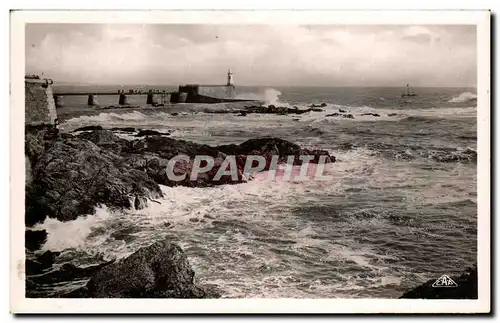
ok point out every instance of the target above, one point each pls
(392, 114)
(41, 263)
(37, 139)
(71, 176)
(161, 270)
(166, 147)
(269, 146)
(152, 154)
(106, 139)
(322, 105)
(144, 133)
(466, 289)
(125, 129)
(35, 282)
(370, 114)
(342, 111)
(272, 109)
(88, 128)
(33, 239)
(336, 114)
(47, 258)
(174, 113)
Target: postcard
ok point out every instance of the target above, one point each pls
(250, 161)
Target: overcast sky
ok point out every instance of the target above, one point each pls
(258, 54)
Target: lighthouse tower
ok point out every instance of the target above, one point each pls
(230, 81)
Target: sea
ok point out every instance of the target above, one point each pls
(394, 214)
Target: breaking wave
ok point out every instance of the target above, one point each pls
(107, 117)
(269, 96)
(463, 97)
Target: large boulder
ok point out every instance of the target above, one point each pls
(161, 270)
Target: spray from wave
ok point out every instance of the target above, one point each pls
(463, 97)
(269, 95)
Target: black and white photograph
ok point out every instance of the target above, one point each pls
(254, 159)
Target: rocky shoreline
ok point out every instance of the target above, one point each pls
(162, 270)
(68, 175)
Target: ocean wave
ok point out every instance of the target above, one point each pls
(420, 119)
(440, 155)
(269, 96)
(463, 97)
(108, 117)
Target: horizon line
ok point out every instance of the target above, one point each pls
(268, 85)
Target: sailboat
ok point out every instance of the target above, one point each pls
(408, 92)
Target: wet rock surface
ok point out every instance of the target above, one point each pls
(143, 133)
(39, 276)
(40, 263)
(33, 239)
(336, 114)
(73, 175)
(322, 105)
(270, 109)
(161, 270)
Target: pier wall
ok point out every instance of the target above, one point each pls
(39, 106)
(220, 92)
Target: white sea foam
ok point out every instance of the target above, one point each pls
(463, 97)
(73, 234)
(269, 96)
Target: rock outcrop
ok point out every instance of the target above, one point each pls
(322, 105)
(72, 174)
(161, 270)
(272, 109)
(33, 239)
(466, 288)
(268, 147)
(336, 114)
(143, 133)
(263, 109)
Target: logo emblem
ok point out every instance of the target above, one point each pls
(444, 281)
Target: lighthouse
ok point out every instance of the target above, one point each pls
(230, 78)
